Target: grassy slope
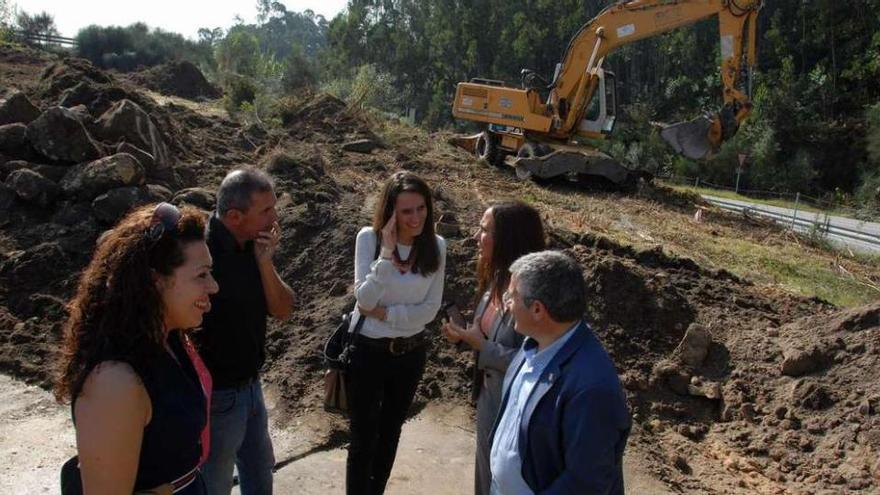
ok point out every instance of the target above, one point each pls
(772, 258)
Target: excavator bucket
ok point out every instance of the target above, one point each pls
(691, 139)
(467, 143)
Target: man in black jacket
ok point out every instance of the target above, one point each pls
(243, 235)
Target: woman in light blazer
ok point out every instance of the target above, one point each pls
(507, 231)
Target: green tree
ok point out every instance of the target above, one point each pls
(36, 27)
(239, 53)
(125, 48)
(6, 14)
(298, 71)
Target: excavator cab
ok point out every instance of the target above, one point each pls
(602, 110)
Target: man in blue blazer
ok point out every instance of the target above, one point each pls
(563, 423)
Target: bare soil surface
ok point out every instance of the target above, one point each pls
(734, 387)
(435, 456)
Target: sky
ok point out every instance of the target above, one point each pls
(179, 16)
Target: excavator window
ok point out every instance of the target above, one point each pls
(594, 107)
(610, 102)
(600, 113)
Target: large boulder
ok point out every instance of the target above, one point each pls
(115, 203)
(82, 113)
(36, 268)
(87, 180)
(33, 187)
(59, 135)
(7, 197)
(51, 172)
(12, 136)
(127, 121)
(144, 158)
(195, 196)
(17, 109)
(11, 166)
(14, 143)
(84, 93)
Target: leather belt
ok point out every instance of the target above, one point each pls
(394, 346)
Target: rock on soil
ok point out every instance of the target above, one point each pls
(14, 142)
(362, 146)
(17, 108)
(58, 135)
(195, 196)
(87, 180)
(127, 121)
(182, 79)
(111, 206)
(33, 187)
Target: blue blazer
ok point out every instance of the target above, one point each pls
(576, 422)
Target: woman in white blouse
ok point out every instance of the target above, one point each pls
(399, 269)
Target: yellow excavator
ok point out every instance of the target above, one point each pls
(539, 136)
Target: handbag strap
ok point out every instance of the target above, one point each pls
(358, 325)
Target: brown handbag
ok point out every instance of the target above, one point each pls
(335, 396)
(337, 356)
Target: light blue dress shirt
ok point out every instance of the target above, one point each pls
(504, 458)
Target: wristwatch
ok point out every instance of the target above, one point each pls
(386, 253)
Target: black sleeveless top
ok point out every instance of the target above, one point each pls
(171, 445)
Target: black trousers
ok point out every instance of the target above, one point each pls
(381, 387)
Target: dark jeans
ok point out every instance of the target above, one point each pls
(381, 388)
(239, 437)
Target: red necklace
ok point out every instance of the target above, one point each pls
(403, 265)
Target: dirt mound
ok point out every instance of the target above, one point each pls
(67, 73)
(182, 79)
(806, 401)
(46, 239)
(779, 404)
(325, 118)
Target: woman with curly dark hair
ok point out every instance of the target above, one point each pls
(137, 388)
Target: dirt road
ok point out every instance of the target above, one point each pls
(435, 456)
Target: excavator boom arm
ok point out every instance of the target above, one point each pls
(627, 22)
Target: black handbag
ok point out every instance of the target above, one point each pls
(337, 355)
(71, 479)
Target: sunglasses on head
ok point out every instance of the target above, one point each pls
(165, 218)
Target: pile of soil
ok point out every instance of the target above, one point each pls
(324, 118)
(735, 388)
(181, 79)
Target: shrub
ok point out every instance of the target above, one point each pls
(299, 71)
(125, 48)
(239, 89)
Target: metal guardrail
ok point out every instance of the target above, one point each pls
(820, 224)
(44, 38)
(794, 197)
